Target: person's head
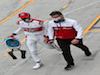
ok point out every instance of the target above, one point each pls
(24, 16)
(57, 16)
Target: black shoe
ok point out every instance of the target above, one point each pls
(87, 53)
(69, 67)
(12, 55)
(23, 54)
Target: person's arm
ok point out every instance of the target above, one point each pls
(18, 31)
(50, 34)
(45, 27)
(79, 30)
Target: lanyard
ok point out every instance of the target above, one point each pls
(58, 27)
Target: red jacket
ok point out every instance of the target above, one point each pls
(65, 30)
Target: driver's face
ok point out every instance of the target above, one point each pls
(26, 19)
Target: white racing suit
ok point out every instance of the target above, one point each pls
(34, 32)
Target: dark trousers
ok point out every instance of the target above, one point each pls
(65, 46)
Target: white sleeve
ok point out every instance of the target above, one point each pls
(79, 30)
(50, 32)
(19, 30)
(45, 28)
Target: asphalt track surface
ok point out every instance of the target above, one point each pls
(86, 12)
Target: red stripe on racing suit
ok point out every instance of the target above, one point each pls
(33, 29)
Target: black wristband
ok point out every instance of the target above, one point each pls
(46, 36)
(14, 34)
(51, 39)
(77, 38)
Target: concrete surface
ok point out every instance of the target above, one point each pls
(84, 11)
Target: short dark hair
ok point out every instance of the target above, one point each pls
(55, 13)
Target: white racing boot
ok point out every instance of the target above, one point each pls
(38, 65)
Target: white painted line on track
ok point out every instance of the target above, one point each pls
(82, 7)
(15, 66)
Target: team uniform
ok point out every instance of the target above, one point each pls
(65, 32)
(34, 32)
